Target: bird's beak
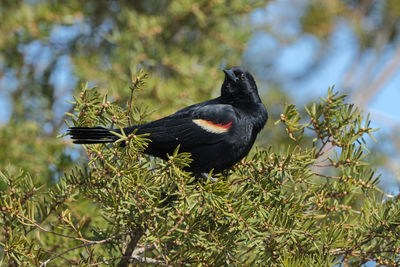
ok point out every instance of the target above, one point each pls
(230, 75)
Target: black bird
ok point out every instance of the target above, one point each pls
(218, 133)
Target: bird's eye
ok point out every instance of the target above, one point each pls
(242, 77)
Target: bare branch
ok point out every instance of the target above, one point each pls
(135, 236)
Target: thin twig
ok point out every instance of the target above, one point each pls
(54, 206)
(320, 151)
(132, 88)
(49, 231)
(89, 243)
(239, 181)
(133, 258)
(322, 166)
(352, 250)
(359, 253)
(328, 177)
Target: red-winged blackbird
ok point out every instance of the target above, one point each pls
(218, 133)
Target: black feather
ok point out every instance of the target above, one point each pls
(87, 135)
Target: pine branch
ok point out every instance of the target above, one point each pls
(135, 236)
(89, 243)
(49, 231)
(133, 259)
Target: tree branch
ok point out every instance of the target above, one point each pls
(21, 217)
(135, 236)
(89, 243)
(133, 258)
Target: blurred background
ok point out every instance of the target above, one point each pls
(295, 48)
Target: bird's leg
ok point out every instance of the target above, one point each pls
(206, 177)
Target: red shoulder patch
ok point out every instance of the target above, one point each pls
(213, 127)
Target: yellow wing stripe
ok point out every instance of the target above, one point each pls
(212, 127)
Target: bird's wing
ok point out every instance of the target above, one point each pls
(196, 126)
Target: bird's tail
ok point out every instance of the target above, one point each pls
(91, 135)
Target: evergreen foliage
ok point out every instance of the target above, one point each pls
(308, 204)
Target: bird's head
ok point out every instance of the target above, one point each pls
(239, 86)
